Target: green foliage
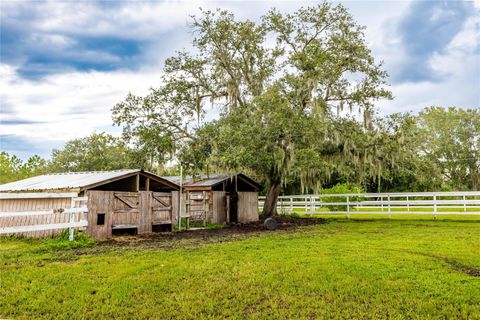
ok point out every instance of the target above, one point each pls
(99, 151)
(449, 138)
(13, 168)
(339, 270)
(343, 188)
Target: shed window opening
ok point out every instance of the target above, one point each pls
(100, 219)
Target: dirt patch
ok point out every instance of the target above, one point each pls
(455, 264)
(174, 240)
(471, 271)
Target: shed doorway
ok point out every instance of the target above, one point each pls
(233, 207)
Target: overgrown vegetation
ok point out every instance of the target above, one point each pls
(371, 269)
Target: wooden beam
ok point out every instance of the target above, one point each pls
(197, 188)
(137, 182)
(147, 184)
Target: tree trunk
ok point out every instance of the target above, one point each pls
(270, 205)
(475, 179)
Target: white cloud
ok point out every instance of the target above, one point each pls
(133, 20)
(459, 67)
(65, 106)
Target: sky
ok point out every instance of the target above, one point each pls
(65, 64)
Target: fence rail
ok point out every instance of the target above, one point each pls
(76, 218)
(425, 203)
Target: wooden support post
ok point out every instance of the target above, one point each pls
(147, 184)
(435, 207)
(137, 182)
(464, 204)
(205, 209)
(408, 205)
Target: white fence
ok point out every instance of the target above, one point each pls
(430, 203)
(78, 209)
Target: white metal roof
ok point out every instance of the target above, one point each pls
(62, 181)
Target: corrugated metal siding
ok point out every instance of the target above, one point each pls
(63, 181)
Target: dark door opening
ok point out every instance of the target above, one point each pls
(233, 214)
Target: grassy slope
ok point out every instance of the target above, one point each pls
(357, 269)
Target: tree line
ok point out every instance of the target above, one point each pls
(289, 100)
(437, 149)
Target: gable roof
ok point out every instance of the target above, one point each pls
(74, 180)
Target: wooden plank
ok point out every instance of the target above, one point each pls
(165, 204)
(124, 226)
(135, 210)
(174, 211)
(219, 207)
(145, 208)
(127, 201)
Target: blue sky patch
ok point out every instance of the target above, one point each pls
(427, 28)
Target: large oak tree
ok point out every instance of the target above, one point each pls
(278, 86)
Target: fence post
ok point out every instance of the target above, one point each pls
(313, 205)
(348, 208)
(435, 207)
(71, 218)
(381, 202)
(408, 205)
(464, 204)
(281, 206)
(389, 206)
(305, 202)
(291, 205)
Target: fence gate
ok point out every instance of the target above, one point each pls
(126, 210)
(162, 208)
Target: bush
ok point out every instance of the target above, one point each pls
(341, 188)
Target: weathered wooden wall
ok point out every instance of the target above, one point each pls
(100, 202)
(219, 212)
(138, 210)
(247, 207)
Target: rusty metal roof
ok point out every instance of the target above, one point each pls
(64, 181)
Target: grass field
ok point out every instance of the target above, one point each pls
(399, 269)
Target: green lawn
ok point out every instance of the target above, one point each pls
(399, 269)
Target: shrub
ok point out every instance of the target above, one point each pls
(341, 188)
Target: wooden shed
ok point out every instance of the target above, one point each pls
(116, 200)
(220, 198)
